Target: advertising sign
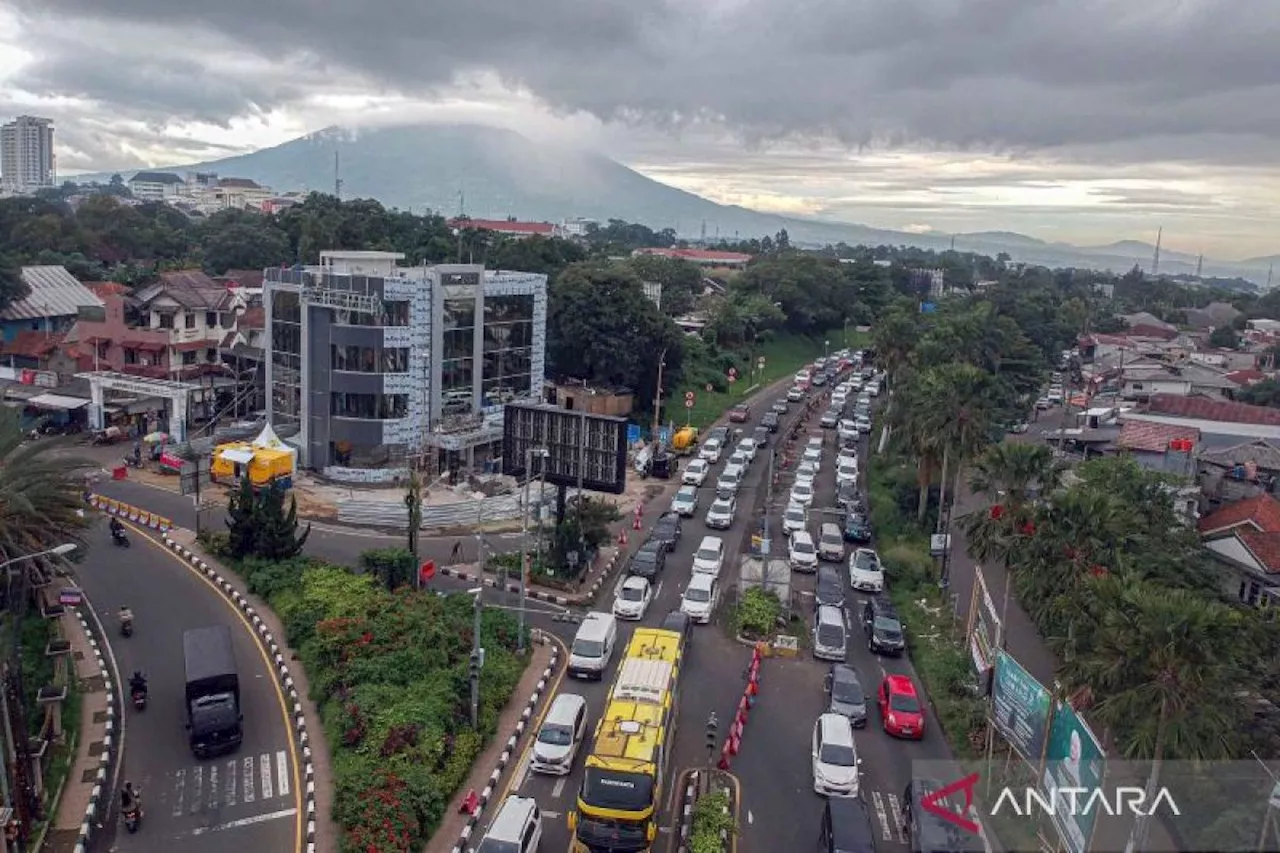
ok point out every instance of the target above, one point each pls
(984, 624)
(1074, 760)
(581, 448)
(1020, 705)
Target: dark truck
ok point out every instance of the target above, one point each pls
(213, 691)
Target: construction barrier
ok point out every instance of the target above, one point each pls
(129, 512)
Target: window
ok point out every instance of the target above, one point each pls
(163, 321)
(226, 319)
(211, 356)
(130, 356)
(188, 320)
(285, 306)
(211, 319)
(188, 358)
(370, 406)
(508, 348)
(370, 359)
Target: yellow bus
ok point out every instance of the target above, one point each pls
(621, 794)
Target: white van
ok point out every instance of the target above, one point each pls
(561, 734)
(709, 558)
(801, 553)
(516, 829)
(592, 648)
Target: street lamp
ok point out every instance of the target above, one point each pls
(477, 656)
(826, 348)
(541, 453)
(59, 550)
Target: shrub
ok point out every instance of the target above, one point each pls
(757, 614)
(711, 817)
(393, 567)
(908, 565)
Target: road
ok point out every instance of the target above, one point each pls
(249, 800)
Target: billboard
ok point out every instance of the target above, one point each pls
(1074, 759)
(1020, 708)
(984, 626)
(590, 450)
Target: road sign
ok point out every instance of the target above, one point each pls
(664, 436)
(688, 402)
(427, 570)
(760, 363)
(688, 396)
(733, 374)
(70, 597)
(710, 387)
(633, 433)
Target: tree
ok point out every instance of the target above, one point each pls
(681, 281)
(278, 538)
(1224, 337)
(239, 239)
(242, 521)
(41, 494)
(393, 567)
(12, 287)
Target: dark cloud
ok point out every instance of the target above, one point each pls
(998, 75)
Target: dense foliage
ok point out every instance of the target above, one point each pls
(258, 525)
(711, 819)
(41, 492)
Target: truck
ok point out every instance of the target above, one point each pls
(213, 711)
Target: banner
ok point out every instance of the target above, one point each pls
(1020, 708)
(1074, 760)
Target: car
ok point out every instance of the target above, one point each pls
(700, 598)
(730, 480)
(738, 458)
(802, 554)
(720, 514)
(845, 695)
(686, 501)
(678, 622)
(1043, 403)
(802, 377)
(847, 453)
(760, 438)
(795, 395)
(829, 419)
(695, 473)
(720, 434)
(633, 598)
(667, 529)
(794, 518)
(884, 631)
(864, 400)
(812, 454)
(846, 470)
(779, 408)
(856, 528)
(806, 472)
(829, 587)
(740, 413)
(1019, 428)
(866, 574)
(709, 558)
(864, 424)
(847, 495)
(819, 379)
(874, 389)
(802, 494)
(847, 428)
(814, 442)
(649, 560)
(710, 451)
(835, 758)
(900, 708)
(771, 421)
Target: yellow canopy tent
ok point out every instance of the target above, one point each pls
(266, 459)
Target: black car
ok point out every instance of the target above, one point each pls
(649, 561)
(761, 436)
(680, 623)
(884, 631)
(856, 528)
(771, 421)
(667, 530)
(829, 588)
(847, 496)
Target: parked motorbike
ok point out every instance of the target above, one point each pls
(132, 462)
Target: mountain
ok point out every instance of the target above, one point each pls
(494, 173)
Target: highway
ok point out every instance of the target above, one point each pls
(249, 800)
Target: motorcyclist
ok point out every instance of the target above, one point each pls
(130, 798)
(126, 615)
(138, 683)
(117, 529)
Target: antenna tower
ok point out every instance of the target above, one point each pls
(1270, 267)
(337, 176)
(1155, 260)
(703, 238)
(953, 243)
(1199, 265)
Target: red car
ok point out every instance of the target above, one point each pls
(900, 708)
(739, 414)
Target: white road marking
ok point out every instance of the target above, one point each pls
(247, 821)
(231, 782)
(247, 764)
(282, 774)
(197, 782)
(878, 802)
(179, 791)
(657, 592)
(751, 818)
(213, 787)
(558, 788)
(264, 769)
(553, 815)
(896, 811)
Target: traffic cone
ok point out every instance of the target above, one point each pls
(734, 743)
(723, 764)
(635, 522)
(622, 537)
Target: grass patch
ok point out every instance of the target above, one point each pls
(711, 818)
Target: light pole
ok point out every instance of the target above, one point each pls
(657, 396)
(477, 656)
(826, 348)
(541, 453)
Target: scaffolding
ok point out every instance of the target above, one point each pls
(314, 292)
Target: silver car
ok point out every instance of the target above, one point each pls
(845, 695)
(720, 515)
(685, 503)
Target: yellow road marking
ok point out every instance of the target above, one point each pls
(271, 667)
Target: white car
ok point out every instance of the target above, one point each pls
(801, 552)
(747, 447)
(695, 473)
(806, 472)
(864, 425)
(847, 453)
(846, 472)
(709, 558)
(802, 377)
(685, 503)
(700, 598)
(812, 454)
(710, 451)
(865, 571)
(738, 458)
(802, 494)
(874, 389)
(835, 758)
(847, 429)
(720, 515)
(795, 518)
(839, 398)
(795, 395)
(633, 597)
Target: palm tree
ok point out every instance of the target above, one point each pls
(911, 418)
(1160, 663)
(41, 494)
(959, 415)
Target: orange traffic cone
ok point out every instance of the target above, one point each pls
(622, 538)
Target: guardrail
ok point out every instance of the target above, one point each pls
(394, 514)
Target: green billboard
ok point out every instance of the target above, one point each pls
(1074, 760)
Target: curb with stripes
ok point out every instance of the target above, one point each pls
(580, 599)
(99, 802)
(687, 799)
(508, 753)
(265, 637)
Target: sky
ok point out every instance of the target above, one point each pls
(1088, 121)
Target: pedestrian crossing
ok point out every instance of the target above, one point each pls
(888, 811)
(223, 783)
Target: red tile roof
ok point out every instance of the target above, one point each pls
(32, 344)
(1246, 377)
(1207, 409)
(1265, 548)
(1260, 513)
(244, 278)
(194, 346)
(106, 288)
(1150, 437)
(505, 226)
(253, 318)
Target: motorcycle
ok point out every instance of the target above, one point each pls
(132, 817)
(139, 699)
(126, 627)
(119, 538)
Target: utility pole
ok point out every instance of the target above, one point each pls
(713, 726)
(768, 504)
(477, 658)
(413, 500)
(657, 395)
(524, 535)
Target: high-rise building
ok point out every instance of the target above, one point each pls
(26, 154)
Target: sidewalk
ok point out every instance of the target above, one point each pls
(493, 769)
(71, 824)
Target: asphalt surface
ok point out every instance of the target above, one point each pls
(249, 800)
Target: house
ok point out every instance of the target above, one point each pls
(1222, 423)
(1247, 377)
(1245, 470)
(1155, 446)
(112, 344)
(701, 257)
(1139, 383)
(507, 227)
(242, 193)
(1243, 538)
(1212, 316)
(156, 186)
(195, 313)
(1148, 325)
(54, 302)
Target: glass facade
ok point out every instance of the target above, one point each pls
(380, 407)
(286, 357)
(508, 348)
(370, 359)
(394, 314)
(457, 362)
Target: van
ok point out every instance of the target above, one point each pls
(516, 829)
(709, 558)
(592, 648)
(846, 827)
(831, 543)
(560, 735)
